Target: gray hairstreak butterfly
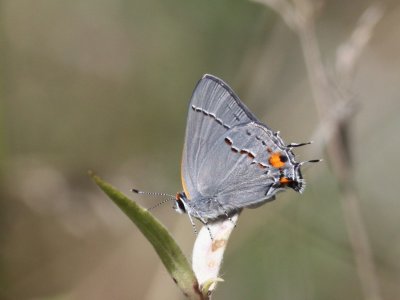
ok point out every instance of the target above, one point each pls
(230, 159)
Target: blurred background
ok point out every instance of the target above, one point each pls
(105, 85)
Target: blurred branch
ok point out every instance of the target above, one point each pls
(300, 16)
(283, 8)
(348, 53)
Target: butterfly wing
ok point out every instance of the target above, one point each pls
(214, 109)
(238, 171)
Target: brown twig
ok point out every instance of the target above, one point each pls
(326, 97)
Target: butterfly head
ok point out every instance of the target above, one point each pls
(180, 205)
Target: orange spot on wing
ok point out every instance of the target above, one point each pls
(284, 180)
(275, 160)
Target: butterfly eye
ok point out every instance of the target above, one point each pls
(180, 206)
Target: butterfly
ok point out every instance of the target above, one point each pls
(231, 160)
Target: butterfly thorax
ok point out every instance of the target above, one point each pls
(203, 208)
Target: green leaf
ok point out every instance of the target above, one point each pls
(167, 249)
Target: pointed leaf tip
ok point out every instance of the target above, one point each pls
(167, 249)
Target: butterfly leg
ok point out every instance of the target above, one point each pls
(193, 224)
(208, 227)
(209, 230)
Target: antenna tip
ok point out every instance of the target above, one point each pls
(135, 191)
(315, 160)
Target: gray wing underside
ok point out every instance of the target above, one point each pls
(236, 171)
(214, 109)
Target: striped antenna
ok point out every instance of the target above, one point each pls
(169, 197)
(152, 193)
(162, 202)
